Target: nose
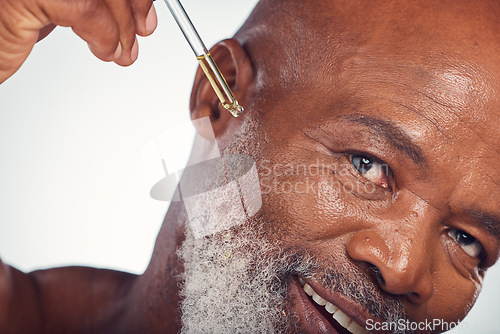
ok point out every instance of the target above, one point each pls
(400, 256)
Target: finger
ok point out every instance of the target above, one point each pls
(90, 19)
(151, 21)
(145, 16)
(45, 31)
(122, 13)
(17, 37)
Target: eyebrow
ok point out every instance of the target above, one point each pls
(403, 143)
(489, 222)
(396, 137)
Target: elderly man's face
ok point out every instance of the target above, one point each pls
(381, 166)
(389, 171)
(398, 183)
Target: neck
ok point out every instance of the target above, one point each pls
(154, 299)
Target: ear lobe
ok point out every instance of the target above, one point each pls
(235, 66)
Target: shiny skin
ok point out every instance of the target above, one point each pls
(438, 83)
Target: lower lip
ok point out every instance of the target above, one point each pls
(311, 320)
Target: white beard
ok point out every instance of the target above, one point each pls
(229, 291)
(229, 283)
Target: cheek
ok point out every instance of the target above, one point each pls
(291, 199)
(453, 297)
(306, 200)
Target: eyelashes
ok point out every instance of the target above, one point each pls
(363, 176)
(371, 169)
(467, 242)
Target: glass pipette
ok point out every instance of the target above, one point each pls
(207, 63)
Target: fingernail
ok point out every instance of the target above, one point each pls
(151, 20)
(135, 51)
(118, 51)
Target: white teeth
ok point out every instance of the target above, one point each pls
(319, 300)
(342, 319)
(354, 328)
(337, 314)
(301, 281)
(308, 290)
(331, 308)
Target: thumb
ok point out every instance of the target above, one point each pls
(21, 21)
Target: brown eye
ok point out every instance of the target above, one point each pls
(371, 169)
(466, 241)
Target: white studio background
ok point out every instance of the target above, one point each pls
(72, 130)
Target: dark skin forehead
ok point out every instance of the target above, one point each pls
(447, 51)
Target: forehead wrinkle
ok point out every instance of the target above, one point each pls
(444, 80)
(443, 113)
(425, 83)
(469, 84)
(480, 172)
(414, 111)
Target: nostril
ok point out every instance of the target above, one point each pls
(378, 275)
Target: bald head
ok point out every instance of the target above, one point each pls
(292, 39)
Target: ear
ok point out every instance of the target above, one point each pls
(234, 64)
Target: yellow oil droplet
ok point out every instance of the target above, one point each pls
(227, 254)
